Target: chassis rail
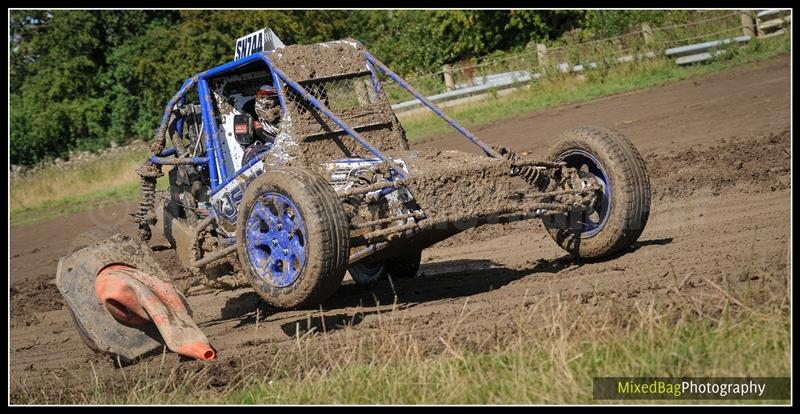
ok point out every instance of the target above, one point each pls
(395, 232)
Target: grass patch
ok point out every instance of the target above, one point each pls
(54, 190)
(538, 372)
(544, 351)
(52, 208)
(564, 89)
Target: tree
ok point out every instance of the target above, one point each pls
(80, 78)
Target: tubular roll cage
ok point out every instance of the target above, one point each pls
(213, 159)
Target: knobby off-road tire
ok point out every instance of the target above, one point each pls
(81, 241)
(368, 273)
(629, 206)
(401, 267)
(326, 242)
(405, 266)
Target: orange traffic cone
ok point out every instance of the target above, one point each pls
(134, 297)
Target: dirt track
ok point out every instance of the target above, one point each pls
(717, 151)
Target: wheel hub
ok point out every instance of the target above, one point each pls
(583, 171)
(276, 239)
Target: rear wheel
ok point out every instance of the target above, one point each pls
(293, 238)
(368, 273)
(623, 203)
(405, 266)
(400, 267)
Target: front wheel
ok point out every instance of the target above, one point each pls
(622, 208)
(293, 238)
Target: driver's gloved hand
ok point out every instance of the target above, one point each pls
(253, 150)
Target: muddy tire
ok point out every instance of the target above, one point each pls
(85, 337)
(400, 267)
(624, 206)
(293, 238)
(406, 266)
(368, 273)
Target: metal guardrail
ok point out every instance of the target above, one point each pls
(702, 47)
(683, 55)
(701, 51)
(769, 12)
(770, 22)
(497, 81)
(506, 80)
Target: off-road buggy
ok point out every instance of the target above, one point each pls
(289, 166)
(334, 187)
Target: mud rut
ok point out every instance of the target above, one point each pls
(717, 151)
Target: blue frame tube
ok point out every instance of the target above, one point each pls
(276, 82)
(249, 164)
(215, 156)
(262, 56)
(216, 170)
(179, 125)
(187, 84)
(164, 161)
(376, 84)
(229, 66)
(327, 112)
(218, 158)
(210, 129)
(486, 149)
(168, 151)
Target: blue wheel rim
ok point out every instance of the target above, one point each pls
(276, 239)
(589, 224)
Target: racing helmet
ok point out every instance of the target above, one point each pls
(265, 91)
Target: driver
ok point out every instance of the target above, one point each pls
(267, 112)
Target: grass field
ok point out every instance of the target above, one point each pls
(54, 191)
(558, 348)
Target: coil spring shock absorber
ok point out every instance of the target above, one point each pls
(530, 174)
(145, 215)
(148, 174)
